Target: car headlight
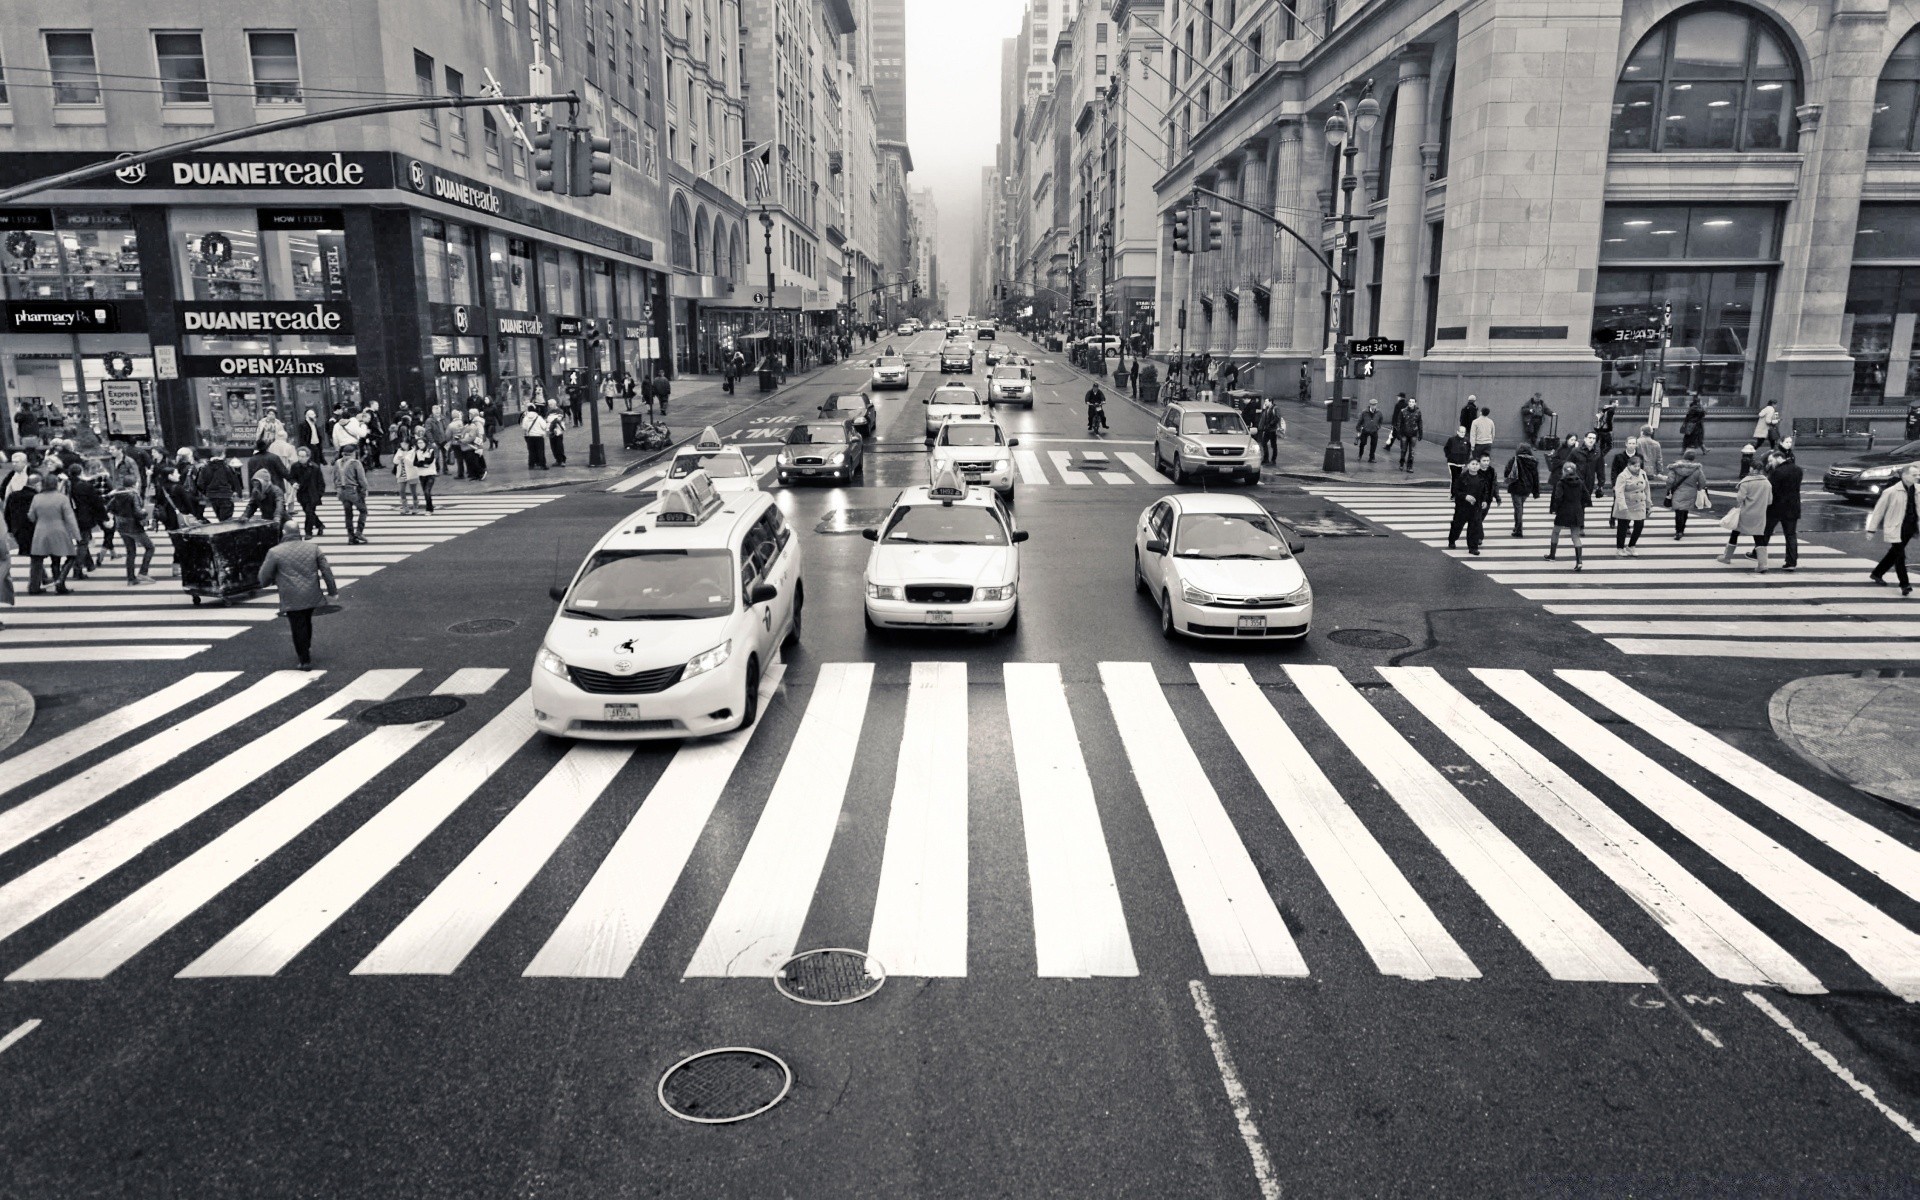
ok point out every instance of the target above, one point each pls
(1194, 595)
(838, 458)
(1299, 595)
(786, 456)
(1003, 464)
(884, 591)
(1189, 444)
(700, 664)
(994, 593)
(552, 663)
(1879, 473)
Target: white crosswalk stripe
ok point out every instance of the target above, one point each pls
(105, 619)
(761, 831)
(1673, 597)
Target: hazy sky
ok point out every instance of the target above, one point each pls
(953, 115)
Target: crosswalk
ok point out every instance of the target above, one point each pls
(1073, 465)
(107, 620)
(1463, 825)
(1673, 597)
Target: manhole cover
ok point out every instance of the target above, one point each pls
(732, 1083)
(1370, 639)
(483, 626)
(413, 710)
(830, 976)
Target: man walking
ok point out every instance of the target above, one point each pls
(1480, 433)
(1523, 483)
(129, 513)
(1408, 429)
(1693, 426)
(1603, 428)
(1269, 431)
(662, 393)
(351, 483)
(1457, 451)
(1533, 418)
(1469, 412)
(1368, 425)
(1473, 493)
(309, 488)
(297, 567)
(215, 483)
(1766, 426)
(1894, 519)
(1783, 509)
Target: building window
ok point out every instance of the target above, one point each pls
(456, 117)
(1256, 51)
(424, 84)
(71, 68)
(1432, 280)
(1896, 102)
(1883, 305)
(490, 141)
(1099, 64)
(1376, 279)
(681, 222)
(3, 83)
(1709, 78)
(276, 67)
(183, 68)
(72, 254)
(1446, 131)
(1206, 38)
(1386, 145)
(1329, 17)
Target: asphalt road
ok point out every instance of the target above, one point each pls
(1664, 968)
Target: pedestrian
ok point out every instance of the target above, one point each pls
(576, 387)
(557, 439)
(496, 417)
(56, 535)
(307, 434)
(1603, 425)
(1746, 460)
(1783, 511)
(270, 429)
(1766, 426)
(1306, 386)
(1523, 483)
(1368, 425)
(726, 374)
(1480, 433)
(1893, 518)
(1393, 418)
(18, 502)
(1569, 506)
(129, 514)
(1457, 452)
(662, 393)
(1632, 505)
(1469, 412)
(1534, 416)
(431, 432)
(1687, 490)
(1408, 429)
(265, 497)
(533, 424)
(426, 469)
(610, 388)
(1749, 516)
(297, 568)
(404, 474)
(90, 509)
(1693, 426)
(347, 433)
(373, 435)
(265, 459)
(1474, 493)
(472, 447)
(352, 485)
(1621, 458)
(309, 489)
(1272, 425)
(451, 455)
(1653, 455)
(1589, 454)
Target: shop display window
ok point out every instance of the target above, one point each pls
(1718, 322)
(510, 272)
(450, 262)
(87, 254)
(599, 288)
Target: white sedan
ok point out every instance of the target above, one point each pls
(947, 556)
(725, 465)
(1219, 566)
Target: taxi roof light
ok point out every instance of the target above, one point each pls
(709, 440)
(688, 501)
(947, 484)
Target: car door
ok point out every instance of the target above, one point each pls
(1163, 439)
(1158, 526)
(783, 570)
(757, 552)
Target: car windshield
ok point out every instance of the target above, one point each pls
(653, 585)
(941, 525)
(970, 435)
(1010, 375)
(955, 396)
(722, 464)
(1229, 535)
(891, 363)
(818, 435)
(1212, 422)
(852, 404)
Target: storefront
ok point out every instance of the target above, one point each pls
(1883, 304)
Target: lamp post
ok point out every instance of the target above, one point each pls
(846, 297)
(766, 224)
(1342, 127)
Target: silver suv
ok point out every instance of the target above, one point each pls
(1205, 441)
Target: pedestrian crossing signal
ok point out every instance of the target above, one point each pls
(592, 164)
(1359, 368)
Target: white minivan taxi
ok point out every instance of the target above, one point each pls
(671, 622)
(947, 557)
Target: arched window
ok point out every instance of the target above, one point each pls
(1896, 103)
(681, 220)
(1446, 131)
(720, 268)
(1386, 144)
(702, 244)
(736, 258)
(1711, 77)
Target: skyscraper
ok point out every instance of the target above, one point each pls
(890, 68)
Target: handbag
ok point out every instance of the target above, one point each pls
(1702, 502)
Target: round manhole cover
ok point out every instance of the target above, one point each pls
(483, 626)
(732, 1083)
(830, 976)
(413, 710)
(1370, 639)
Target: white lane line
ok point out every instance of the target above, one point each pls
(131, 633)
(1721, 611)
(128, 601)
(1800, 651)
(32, 817)
(1237, 1097)
(1884, 948)
(1565, 940)
(1079, 929)
(1395, 926)
(276, 932)
(1031, 473)
(107, 942)
(920, 914)
(42, 618)
(1235, 922)
(1579, 588)
(1600, 557)
(106, 653)
(1826, 1059)
(29, 896)
(636, 481)
(1704, 924)
(17, 1032)
(436, 937)
(604, 930)
(1840, 831)
(1063, 463)
(1139, 466)
(1840, 627)
(1727, 576)
(758, 923)
(1115, 477)
(32, 763)
(762, 466)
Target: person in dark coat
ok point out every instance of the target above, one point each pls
(18, 509)
(1693, 426)
(662, 392)
(297, 568)
(1569, 505)
(1456, 451)
(557, 436)
(1783, 510)
(1474, 492)
(1603, 424)
(309, 488)
(266, 498)
(1590, 455)
(1469, 412)
(1408, 428)
(1534, 416)
(215, 484)
(1367, 427)
(1523, 482)
(90, 510)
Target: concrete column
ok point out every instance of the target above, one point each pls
(1309, 217)
(1252, 243)
(1288, 188)
(1400, 279)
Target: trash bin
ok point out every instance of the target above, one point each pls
(768, 381)
(222, 561)
(630, 426)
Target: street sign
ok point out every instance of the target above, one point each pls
(1376, 347)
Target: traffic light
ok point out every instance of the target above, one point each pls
(1183, 231)
(1216, 233)
(1359, 368)
(592, 164)
(553, 161)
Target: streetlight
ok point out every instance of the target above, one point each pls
(1342, 125)
(766, 223)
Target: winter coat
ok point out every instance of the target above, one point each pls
(403, 464)
(1653, 456)
(272, 464)
(214, 480)
(1468, 413)
(309, 483)
(1889, 517)
(265, 498)
(533, 424)
(1456, 450)
(19, 523)
(1523, 476)
(1693, 426)
(426, 461)
(352, 478)
(1684, 482)
(1409, 425)
(1569, 502)
(662, 388)
(1477, 488)
(1632, 497)
(55, 529)
(297, 568)
(1369, 421)
(89, 504)
(1784, 478)
(1755, 495)
(1533, 418)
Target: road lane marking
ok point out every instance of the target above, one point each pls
(1575, 592)
(920, 914)
(18, 1032)
(1839, 627)
(1079, 928)
(1560, 935)
(74, 744)
(105, 653)
(1881, 652)
(1030, 472)
(1890, 608)
(1237, 1097)
(1139, 466)
(1395, 926)
(1063, 463)
(757, 925)
(1705, 925)
(1884, 948)
(1234, 920)
(1826, 1059)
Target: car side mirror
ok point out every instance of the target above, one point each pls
(1296, 545)
(1011, 442)
(762, 593)
(1020, 535)
(872, 535)
(1156, 546)
(557, 594)
(926, 399)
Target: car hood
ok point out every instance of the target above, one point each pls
(1879, 458)
(643, 645)
(970, 453)
(1241, 576)
(957, 412)
(1236, 441)
(981, 566)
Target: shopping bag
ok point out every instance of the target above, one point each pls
(1702, 502)
(1730, 522)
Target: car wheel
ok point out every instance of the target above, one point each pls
(1179, 471)
(750, 705)
(1159, 464)
(799, 610)
(1167, 630)
(1139, 578)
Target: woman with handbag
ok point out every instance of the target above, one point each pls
(403, 472)
(1749, 516)
(426, 468)
(1632, 504)
(1523, 483)
(1687, 491)
(1569, 506)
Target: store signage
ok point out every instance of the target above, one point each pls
(523, 327)
(570, 326)
(259, 317)
(1374, 347)
(1613, 336)
(125, 412)
(166, 362)
(1527, 333)
(264, 170)
(301, 218)
(462, 319)
(236, 366)
(457, 364)
(58, 316)
(26, 218)
(453, 189)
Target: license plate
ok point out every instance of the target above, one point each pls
(1253, 623)
(622, 712)
(809, 470)
(939, 616)
(1223, 467)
